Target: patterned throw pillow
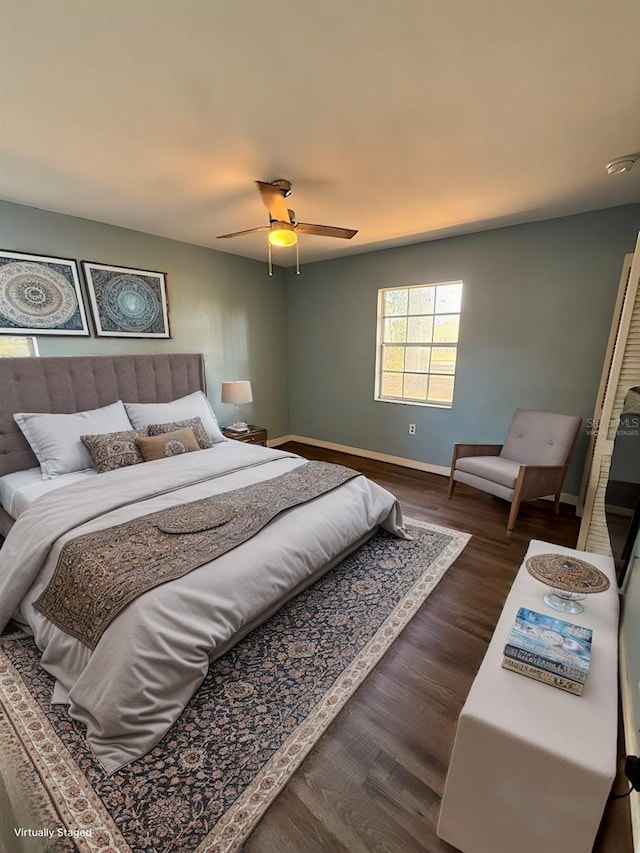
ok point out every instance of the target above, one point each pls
(111, 450)
(168, 444)
(202, 437)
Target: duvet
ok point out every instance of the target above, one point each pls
(132, 687)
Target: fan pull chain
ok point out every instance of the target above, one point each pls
(270, 264)
(297, 258)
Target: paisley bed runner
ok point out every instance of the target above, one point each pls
(99, 573)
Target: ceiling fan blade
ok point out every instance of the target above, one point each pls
(326, 230)
(240, 233)
(274, 201)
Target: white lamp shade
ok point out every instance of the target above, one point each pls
(237, 392)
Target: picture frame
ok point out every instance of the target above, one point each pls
(127, 302)
(40, 295)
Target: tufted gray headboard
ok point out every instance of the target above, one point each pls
(77, 383)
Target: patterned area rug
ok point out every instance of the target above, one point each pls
(258, 713)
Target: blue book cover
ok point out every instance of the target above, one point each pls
(551, 644)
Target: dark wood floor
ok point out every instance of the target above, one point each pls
(375, 779)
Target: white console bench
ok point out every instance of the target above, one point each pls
(532, 765)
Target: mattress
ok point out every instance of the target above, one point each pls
(21, 488)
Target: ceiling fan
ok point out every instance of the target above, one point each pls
(283, 227)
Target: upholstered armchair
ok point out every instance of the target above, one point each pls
(532, 462)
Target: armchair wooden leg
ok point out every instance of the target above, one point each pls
(517, 498)
(557, 504)
(452, 484)
(513, 514)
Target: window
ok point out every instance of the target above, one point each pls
(11, 345)
(418, 330)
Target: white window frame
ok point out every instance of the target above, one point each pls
(380, 347)
(32, 345)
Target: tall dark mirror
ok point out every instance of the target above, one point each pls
(622, 496)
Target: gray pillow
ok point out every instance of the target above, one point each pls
(204, 442)
(194, 405)
(55, 438)
(113, 450)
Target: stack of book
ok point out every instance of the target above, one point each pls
(549, 650)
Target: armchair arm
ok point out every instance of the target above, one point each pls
(461, 450)
(538, 481)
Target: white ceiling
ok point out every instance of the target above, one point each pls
(409, 120)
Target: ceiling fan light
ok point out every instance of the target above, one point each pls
(622, 164)
(282, 234)
(619, 167)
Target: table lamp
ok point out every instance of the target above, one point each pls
(237, 393)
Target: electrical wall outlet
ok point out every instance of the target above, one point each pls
(412, 429)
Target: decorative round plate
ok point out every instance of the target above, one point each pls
(567, 573)
(36, 297)
(195, 519)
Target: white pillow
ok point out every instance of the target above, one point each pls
(193, 405)
(55, 439)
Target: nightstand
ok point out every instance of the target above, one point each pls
(254, 435)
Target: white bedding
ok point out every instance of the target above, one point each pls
(22, 488)
(156, 652)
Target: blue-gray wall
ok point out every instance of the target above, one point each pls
(221, 305)
(536, 314)
(537, 308)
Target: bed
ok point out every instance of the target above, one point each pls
(130, 688)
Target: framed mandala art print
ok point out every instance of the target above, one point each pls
(127, 303)
(40, 295)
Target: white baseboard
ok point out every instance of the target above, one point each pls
(367, 454)
(442, 470)
(281, 439)
(564, 498)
